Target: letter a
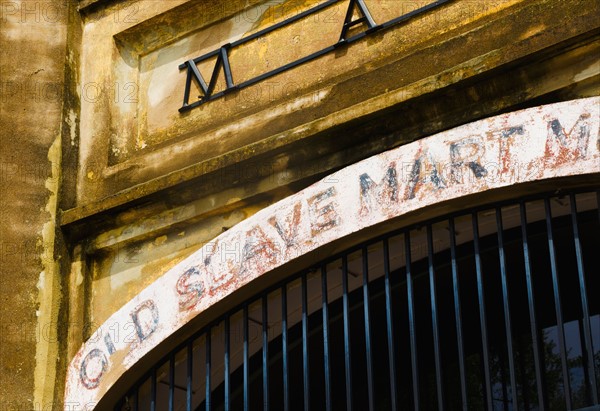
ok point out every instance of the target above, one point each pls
(349, 23)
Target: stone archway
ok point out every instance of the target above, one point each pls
(543, 143)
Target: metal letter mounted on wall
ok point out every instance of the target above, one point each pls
(355, 7)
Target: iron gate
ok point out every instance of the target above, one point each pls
(492, 308)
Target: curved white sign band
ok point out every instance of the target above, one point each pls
(534, 144)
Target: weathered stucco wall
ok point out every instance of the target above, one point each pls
(32, 58)
(137, 186)
(130, 97)
(153, 183)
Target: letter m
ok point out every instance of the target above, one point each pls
(193, 74)
(380, 195)
(564, 146)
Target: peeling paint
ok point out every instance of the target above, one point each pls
(49, 290)
(71, 120)
(334, 208)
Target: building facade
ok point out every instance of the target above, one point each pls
(301, 204)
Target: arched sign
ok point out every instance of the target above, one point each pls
(545, 142)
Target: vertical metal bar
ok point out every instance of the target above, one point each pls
(482, 319)
(584, 361)
(136, 396)
(208, 392)
(188, 83)
(532, 317)
(389, 323)
(458, 315)
(557, 305)
(305, 370)
(227, 382)
(153, 390)
(367, 314)
(584, 305)
(346, 315)
(171, 381)
(434, 319)
(226, 66)
(523, 372)
(284, 348)
(598, 204)
(246, 360)
(265, 352)
(505, 298)
(325, 337)
(189, 372)
(411, 321)
(503, 382)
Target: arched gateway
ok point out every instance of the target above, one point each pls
(410, 279)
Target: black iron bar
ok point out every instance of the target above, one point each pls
(506, 303)
(325, 337)
(208, 370)
(557, 305)
(503, 382)
(284, 348)
(136, 398)
(482, 318)
(265, 352)
(172, 381)
(189, 372)
(411, 321)
(589, 350)
(367, 314)
(356, 22)
(212, 83)
(522, 372)
(346, 315)
(434, 320)
(227, 381)
(598, 204)
(188, 83)
(153, 390)
(246, 359)
(389, 323)
(305, 369)
(226, 67)
(535, 340)
(458, 315)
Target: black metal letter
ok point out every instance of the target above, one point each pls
(207, 89)
(348, 22)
